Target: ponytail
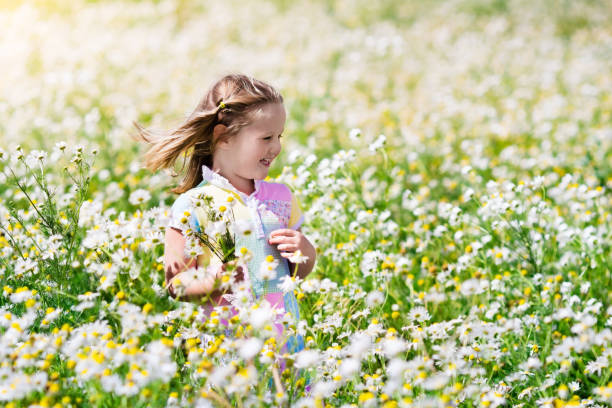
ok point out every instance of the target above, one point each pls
(194, 134)
(229, 102)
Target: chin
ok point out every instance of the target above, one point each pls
(261, 174)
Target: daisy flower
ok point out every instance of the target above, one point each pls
(298, 257)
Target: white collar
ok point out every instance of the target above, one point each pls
(218, 180)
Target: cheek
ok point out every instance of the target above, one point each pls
(259, 151)
(244, 152)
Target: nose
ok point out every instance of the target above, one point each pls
(276, 147)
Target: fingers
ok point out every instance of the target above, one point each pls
(287, 241)
(283, 239)
(283, 232)
(287, 247)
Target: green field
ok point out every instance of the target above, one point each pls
(453, 161)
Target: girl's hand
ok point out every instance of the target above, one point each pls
(288, 241)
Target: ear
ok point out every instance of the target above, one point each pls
(218, 131)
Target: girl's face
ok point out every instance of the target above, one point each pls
(249, 154)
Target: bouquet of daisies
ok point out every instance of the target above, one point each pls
(217, 231)
(218, 226)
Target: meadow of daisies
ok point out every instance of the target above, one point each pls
(453, 160)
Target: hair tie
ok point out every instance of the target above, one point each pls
(221, 105)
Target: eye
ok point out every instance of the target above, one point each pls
(270, 137)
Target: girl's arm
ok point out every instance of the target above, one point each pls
(176, 264)
(303, 270)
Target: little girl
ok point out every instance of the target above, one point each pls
(231, 139)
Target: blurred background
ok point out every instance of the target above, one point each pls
(517, 86)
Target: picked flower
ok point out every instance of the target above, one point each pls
(230, 201)
(216, 228)
(243, 227)
(243, 255)
(298, 257)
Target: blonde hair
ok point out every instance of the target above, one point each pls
(232, 101)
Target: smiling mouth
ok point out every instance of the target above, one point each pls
(266, 162)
